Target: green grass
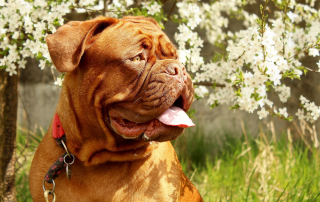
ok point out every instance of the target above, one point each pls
(26, 144)
(226, 168)
(248, 169)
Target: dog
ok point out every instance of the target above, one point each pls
(121, 76)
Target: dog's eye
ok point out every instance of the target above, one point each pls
(137, 58)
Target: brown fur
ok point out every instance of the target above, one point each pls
(102, 86)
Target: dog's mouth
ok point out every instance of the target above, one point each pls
(167, 126)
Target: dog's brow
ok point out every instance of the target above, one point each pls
(146, 43)
(141, 42)
(141, 36)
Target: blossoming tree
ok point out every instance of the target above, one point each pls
(251, 63)
(255, 61)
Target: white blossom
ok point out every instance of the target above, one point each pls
(303, 100)
(151, 7)
(11, 69)
(58, 82)
(262, 113)
(318, 63)
(42, 64)
(284, 92)
(292, 16)
(313, 52)
(284, 112)
(201, 91)
(300, 114)
(251, 65)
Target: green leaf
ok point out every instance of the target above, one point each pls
(265, 17)
(56, 22)
(4, 52)
(48, 63)
(30, 37)
(3, 67)
(62, 75)
(191, 113)
(256, 96)
(14, 41)
(290, 118)
(300, 67)
(134, 11)
(214, 85)
(161, 25)
(197, 97)
(269, 83)
(215, 104)
(217, 57)
(258, 21)
(236, 106)
(241, 75)
(291, 74)
(238, 93)
(39, 56)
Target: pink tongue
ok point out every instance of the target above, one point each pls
(175, 116)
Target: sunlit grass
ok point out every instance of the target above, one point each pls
(247, 169)
(26, 144)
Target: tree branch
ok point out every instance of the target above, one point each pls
(172, 8)
(311, 70)
(303, 50)
(208, 84)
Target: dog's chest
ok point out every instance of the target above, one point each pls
(155, 179)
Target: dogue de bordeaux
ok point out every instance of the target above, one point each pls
(121, 76)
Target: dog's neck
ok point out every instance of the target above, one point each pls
(88, 138)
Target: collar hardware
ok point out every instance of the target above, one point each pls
(65, 160)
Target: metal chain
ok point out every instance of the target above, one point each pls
(68, 159)
(48, 192)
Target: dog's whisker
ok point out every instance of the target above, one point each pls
(137, 99)
(135, 119)
(137, 116)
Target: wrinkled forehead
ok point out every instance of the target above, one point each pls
(143, 26)
(138, 34)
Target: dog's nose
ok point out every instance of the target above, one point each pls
(178, 71)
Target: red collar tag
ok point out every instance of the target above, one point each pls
(58, 131)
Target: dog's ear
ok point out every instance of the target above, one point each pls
(67, 45)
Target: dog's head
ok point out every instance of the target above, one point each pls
(121, 76)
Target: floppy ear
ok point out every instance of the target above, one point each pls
(67, 45)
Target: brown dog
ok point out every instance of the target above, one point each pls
(121, 75)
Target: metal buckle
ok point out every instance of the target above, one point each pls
(68, 167)
(44, 188)
(47, 192)
(65, 148)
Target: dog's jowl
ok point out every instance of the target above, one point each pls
(124, 97)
